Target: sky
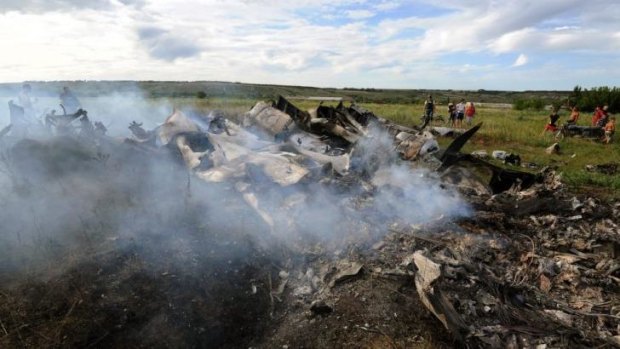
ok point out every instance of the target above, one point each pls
(420, 44)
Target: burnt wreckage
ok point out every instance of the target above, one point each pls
(327, 135)
(52, 123)
(529, 268)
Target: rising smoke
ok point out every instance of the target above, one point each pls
(127, 229)
(64, 199)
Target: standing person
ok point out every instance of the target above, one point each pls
(610, 129)
(460, 113)
(25, 101)
(69, 102)
(23, 116)
(452, 114)
(429, 109)
(470, 111)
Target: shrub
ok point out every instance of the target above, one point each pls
(587, 100)
(531, 104)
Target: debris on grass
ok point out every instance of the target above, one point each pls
(322, 228)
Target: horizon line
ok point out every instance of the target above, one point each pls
(281, 85)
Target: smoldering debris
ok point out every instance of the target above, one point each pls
(608, 169)
(294, 228)
(543, 280)
(295, 153)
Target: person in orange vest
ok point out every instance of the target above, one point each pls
(610, 129)
(470, 111)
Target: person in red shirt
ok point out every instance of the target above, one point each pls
(470, 111)
(599, 113)
(604, 117)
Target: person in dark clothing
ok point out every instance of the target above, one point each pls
(429, 109)
(452, 114)
(553, 119)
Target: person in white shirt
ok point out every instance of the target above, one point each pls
(460, 113)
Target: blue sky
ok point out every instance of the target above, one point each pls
(452, 44)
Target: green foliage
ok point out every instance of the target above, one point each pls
(201, 95)
(520, 132)
(529, 104)
(584, 178)
(588, 100)
(559, 103)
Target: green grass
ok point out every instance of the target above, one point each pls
(503, 129)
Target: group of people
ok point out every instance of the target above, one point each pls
(68, 101)
(456, 113)
(24, 113)
(600, 118)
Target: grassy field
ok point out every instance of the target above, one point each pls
(513, 131)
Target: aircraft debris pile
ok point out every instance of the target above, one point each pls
(530, 269)
(534, 268)
(523, 265)
(279, 144)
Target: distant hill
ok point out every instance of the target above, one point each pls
(210, 89)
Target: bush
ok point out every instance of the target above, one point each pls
(587, 100)
(529, 104)
(201, 95)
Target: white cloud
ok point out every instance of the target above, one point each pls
(387, 5)
(510, 42)
(360, 14)
(310, 42)
(567, 27)
(520, 61)
(161, 44)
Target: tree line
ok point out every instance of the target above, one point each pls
(588, 100)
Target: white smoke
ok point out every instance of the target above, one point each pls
(66, 196)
